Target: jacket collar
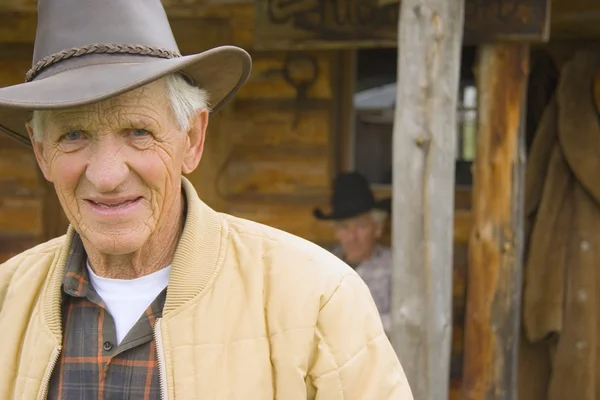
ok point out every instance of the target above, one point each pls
(578, 122)
(197, 261)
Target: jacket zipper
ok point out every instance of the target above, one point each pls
(160, 356)
(48, 375)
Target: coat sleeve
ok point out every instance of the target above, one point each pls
(7, 270)
(354, 358)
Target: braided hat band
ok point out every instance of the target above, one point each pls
(63, 55)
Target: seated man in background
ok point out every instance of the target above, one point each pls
(358, 224)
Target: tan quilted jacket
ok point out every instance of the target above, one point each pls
(251, 313)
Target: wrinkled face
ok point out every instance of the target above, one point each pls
(116, 166)
(357, 236)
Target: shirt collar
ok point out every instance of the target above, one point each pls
(75, 280)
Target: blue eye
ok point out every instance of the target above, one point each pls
(73, 135)
(140, 132)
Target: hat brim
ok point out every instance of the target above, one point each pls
(220, 71)
(335, 215)
(384, 205)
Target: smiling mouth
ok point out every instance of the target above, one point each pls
(113, 206)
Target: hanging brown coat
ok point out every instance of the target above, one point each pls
(560, 347)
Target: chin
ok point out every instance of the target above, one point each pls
(117, 243)
(357, 257)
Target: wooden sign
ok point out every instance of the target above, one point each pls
(314, 24)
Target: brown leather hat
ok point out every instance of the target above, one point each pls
(90, 50)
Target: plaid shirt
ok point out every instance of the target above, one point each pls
(92, 365)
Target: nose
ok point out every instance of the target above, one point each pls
(106, 169)
(352, 233)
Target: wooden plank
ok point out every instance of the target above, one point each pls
(272, 128)
(242, 23)
(495, 248)
(196, 35)
(267, 80)
(20, 215)
(573, 19)
(11, 245)
(293, 217)
(277, 172)
(18, 171)
(8, 143)
(20, 53)
(424, 142)
(54, 220)
(282, 24)
(17, 27)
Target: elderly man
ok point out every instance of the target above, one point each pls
(358, 224)
(151, 294)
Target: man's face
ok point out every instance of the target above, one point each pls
(116, 165)
(357, 237)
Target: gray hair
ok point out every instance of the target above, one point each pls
(185, 101)
(379, 216)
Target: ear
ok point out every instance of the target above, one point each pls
(38, 150)
(195, 142)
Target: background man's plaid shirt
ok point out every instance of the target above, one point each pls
(91, 365)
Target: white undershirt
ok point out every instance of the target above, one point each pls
(127, 299)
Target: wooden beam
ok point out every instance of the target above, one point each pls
(495, 248)
(572, 19)
(424, 141)
(193, 35)
(309, 24)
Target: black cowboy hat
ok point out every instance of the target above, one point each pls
(352, 196)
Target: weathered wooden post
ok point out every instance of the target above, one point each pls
(496, 244)
(429, 42)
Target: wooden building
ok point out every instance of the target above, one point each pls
(271, 154)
